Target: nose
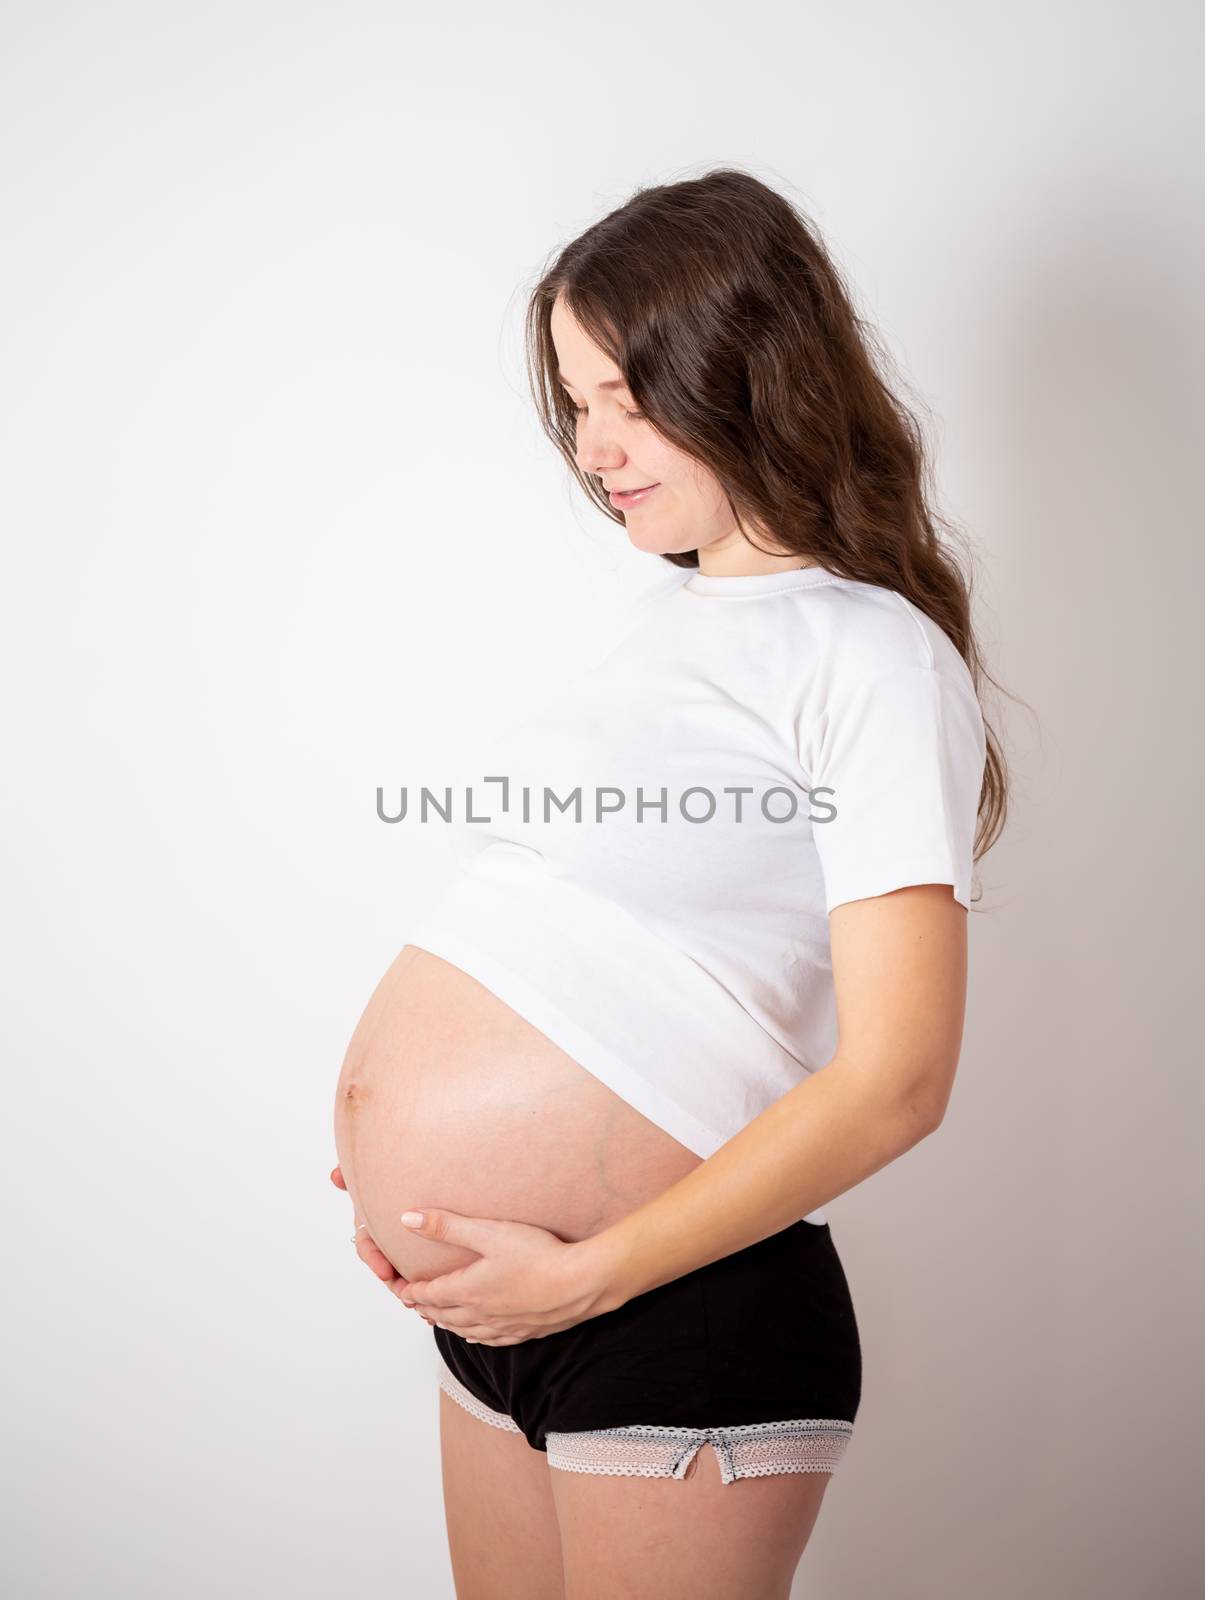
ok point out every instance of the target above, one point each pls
(595, 452)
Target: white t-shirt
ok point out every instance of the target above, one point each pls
(672, 935)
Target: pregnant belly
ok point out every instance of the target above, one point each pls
(449, 1098)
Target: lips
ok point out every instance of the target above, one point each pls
(629, 499)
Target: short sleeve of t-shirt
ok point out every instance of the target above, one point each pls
(903, 753)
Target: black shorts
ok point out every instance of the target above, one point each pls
(756, 1353)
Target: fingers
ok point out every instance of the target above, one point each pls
(366, 1246)
(375, 1258)
(378, 1263)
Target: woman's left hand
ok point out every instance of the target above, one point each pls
(525, 1283)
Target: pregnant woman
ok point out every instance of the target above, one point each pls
(704, 967)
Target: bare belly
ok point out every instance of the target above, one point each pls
(449, 1098)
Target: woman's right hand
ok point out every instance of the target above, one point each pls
(366, 1246)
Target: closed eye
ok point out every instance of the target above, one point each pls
(634, 416)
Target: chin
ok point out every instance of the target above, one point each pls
(658, 545)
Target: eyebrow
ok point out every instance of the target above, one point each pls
(611, 383)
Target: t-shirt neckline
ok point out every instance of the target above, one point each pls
(756, 582)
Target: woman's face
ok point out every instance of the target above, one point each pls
(687, 510)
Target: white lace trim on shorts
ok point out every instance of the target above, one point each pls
(645, 1450)
(496, 1419)
(753, 1450)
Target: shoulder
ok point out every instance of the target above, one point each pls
(864, 631)
(886, 675)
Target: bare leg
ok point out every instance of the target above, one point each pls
(502, 1525)
(677, 1539)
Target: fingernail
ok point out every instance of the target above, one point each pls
(412, 1219)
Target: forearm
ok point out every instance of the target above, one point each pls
(821, 1138)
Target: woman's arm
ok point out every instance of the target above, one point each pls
(899, 974)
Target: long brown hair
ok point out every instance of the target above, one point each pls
(738, 339)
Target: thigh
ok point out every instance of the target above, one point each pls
(678, 1539)
(649, 1510)
(503, 1533)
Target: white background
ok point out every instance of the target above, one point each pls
(279, 527)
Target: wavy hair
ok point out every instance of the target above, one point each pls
(738, 338)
